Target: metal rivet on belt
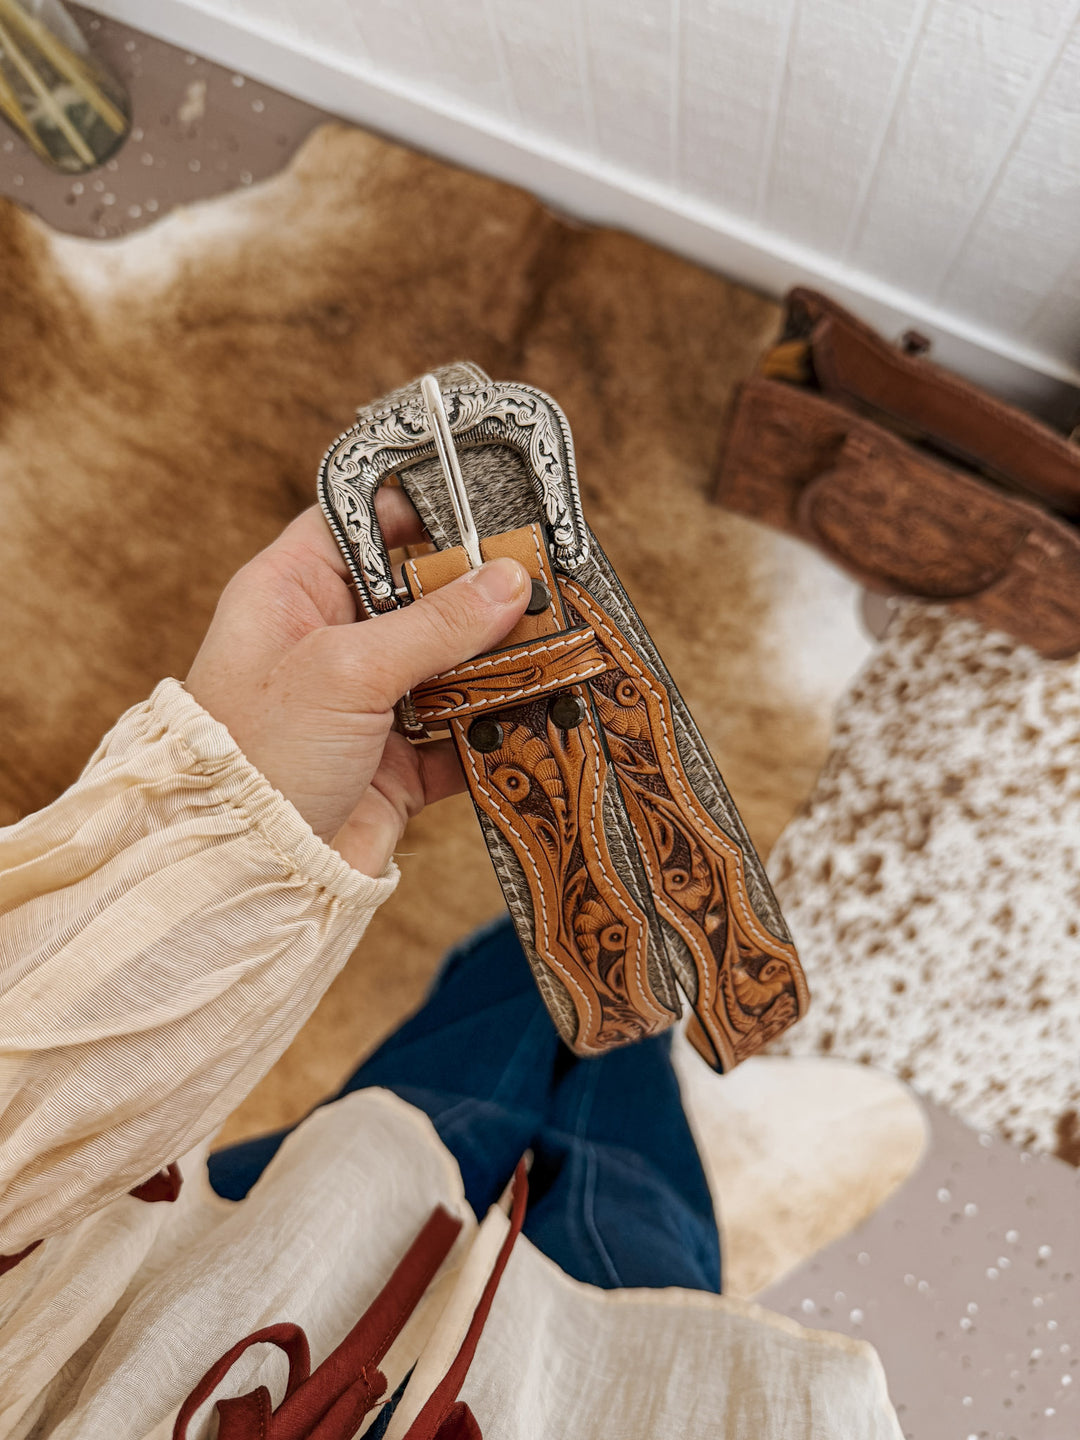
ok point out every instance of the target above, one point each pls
(539, 600)
(567, 711)
(485, 735)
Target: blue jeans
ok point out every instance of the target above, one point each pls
(617, 1194)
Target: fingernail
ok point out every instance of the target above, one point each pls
(501, 581)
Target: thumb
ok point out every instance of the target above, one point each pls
(440, 630)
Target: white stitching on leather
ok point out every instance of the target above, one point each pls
(411, 565)
(676, 918)
(667, 907)
(543, 648)
(636, 669)
(565, 639)
(492, 794)
(616, 888)
(631, 663)
(524, 693)
(535, 530)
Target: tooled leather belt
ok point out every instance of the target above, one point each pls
(626, 868)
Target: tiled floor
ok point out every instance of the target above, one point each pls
(968, 1280)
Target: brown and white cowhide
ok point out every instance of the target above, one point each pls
(164, 401)
(933, 881)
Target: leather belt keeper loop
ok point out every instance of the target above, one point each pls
(501, 677)
(542, 655)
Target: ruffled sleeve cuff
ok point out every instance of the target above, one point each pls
(166, 927)
(194, 742)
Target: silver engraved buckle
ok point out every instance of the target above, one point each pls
(438, 423)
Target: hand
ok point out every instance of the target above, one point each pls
(308, 694)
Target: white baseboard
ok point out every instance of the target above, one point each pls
(595, 191)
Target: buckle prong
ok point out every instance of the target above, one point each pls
(439, 425)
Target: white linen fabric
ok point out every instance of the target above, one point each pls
(165, 928)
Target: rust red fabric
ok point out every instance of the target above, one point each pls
(441, 1418)
(331, 1402)
(8, 1262)
(165, 1185)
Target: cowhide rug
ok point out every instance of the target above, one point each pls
(164, 401)
(933, 880)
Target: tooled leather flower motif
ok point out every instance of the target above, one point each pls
(596, 928)
(623, 711)
(757, 992)
(521, 761)
(689, 874)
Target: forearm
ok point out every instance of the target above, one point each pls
(165, 929)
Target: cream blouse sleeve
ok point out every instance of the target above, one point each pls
(166, 927)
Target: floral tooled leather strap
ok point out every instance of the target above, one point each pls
(751, 986)
(543, 784)
(520, 672)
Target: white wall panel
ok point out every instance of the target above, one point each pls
(919, 158)
(979, 66)
(548, 80)
(1023, 242)
(846, 63)
(267, 15)
(337, 25)
(1056, 322)
(633, 60)
(732, 63)
(447, 45)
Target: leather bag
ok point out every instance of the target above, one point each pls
(626, 868)
(911, 479)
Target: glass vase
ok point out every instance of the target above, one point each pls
(53, 91)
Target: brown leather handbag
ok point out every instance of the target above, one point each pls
(625, 866)
(913, 480)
